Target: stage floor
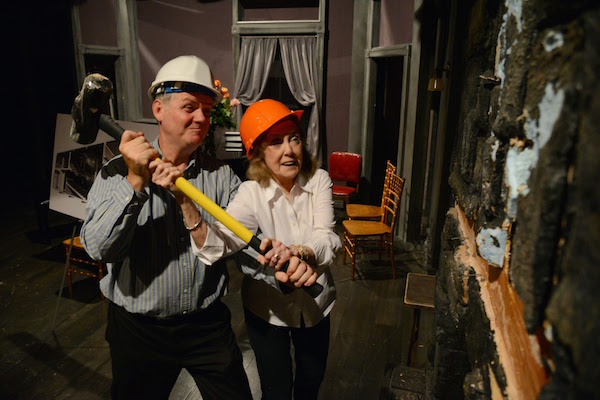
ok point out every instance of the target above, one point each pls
(53, 347)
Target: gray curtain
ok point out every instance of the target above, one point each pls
(254, 65)
(299, 59)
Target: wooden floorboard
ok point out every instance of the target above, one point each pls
(370, 326)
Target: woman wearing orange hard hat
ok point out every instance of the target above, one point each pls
(261, 116)
(288, 199)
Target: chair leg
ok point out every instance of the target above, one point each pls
(69, 279)
(350, 249)
(352, 274)
(391, 250)
(353, 255)
(414, 337)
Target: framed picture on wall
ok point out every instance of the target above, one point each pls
(74, 166)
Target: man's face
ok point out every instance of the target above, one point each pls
(185, 117)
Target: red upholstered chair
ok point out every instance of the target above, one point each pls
(344, 170)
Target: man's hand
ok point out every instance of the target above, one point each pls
(137, 153)
(165, 174)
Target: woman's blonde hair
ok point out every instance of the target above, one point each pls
(259, 172)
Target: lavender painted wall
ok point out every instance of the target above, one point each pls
(396, 22)
(169, 29)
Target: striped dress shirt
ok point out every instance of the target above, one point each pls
(142, 238)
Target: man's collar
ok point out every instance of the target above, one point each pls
(193, 157)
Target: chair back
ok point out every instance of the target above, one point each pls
(344, 166)
(390, 170)
(391, 201)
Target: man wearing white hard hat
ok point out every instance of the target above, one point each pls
(164, 311)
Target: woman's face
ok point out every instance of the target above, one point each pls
(283, 155)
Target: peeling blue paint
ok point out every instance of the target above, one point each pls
(491, 243)
(520, 162)
(518, 169)
(549, 108)
(515, 8)
(500, 72)
(553, 41)
(495, 147)
(501, 53)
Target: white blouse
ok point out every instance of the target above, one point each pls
(307, 218)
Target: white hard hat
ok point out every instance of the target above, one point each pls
(185, 74)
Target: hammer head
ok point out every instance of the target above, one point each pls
(90, 103)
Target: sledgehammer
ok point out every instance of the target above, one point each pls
(89, 113)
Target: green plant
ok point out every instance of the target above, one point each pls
(220, 117)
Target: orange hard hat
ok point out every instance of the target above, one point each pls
(261, 116)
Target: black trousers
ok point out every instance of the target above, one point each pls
(148, 354)
(271, 345)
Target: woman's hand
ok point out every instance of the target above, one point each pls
(277, 255)
(297, 273)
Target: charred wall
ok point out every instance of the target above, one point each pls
(517, 299)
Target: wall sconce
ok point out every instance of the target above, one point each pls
(436, 82)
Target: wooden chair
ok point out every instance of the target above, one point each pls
(81, 263)
(375, 235)
(369, 211)
(345, 167)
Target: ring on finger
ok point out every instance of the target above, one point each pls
(276, 256)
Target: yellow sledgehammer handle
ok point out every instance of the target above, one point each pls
(215, 210)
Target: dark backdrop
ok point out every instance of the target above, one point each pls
(41, 82)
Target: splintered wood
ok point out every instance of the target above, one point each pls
(518, 353)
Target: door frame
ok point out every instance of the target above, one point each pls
(368, 125)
